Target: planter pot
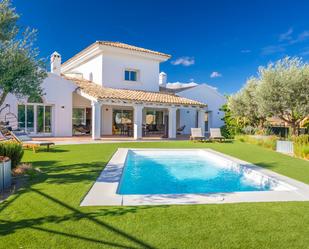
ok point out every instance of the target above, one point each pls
(5, 173)
(285, 147)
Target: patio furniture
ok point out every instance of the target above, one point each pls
(27, 142)
(215, 134)
(180, 129)
(197, 135)
(83, 129)
(153, 129)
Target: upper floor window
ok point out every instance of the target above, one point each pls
(130, 75)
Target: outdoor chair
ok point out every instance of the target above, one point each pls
(180, 129)
(215, 134)
(196, 134)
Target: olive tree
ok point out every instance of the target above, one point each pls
(283, 90)
(21, 72)
(244, 104)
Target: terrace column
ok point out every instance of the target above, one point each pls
(201, 120)
(138, 120)
(96, 120)
(172, 122)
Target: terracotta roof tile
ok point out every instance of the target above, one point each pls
(131, 47)
(103, 93)
(117, 45)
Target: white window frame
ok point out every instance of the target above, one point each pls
(35, 106)
(131, 70)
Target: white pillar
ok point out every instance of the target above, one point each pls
(138, 120)
(201, 120)
(172, 122)
(96, 120)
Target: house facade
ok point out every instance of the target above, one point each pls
(108, 89)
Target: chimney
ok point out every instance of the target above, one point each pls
(162, 79)
(55, 63)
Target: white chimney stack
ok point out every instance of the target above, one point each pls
(162, 79)
(55, 63)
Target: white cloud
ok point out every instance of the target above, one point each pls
(215, 75)
(273, 49)
(177, 85)
(245, 51)
(305, 52)
(303, 36)
(287, 35)
(286, 40)
(184, 61)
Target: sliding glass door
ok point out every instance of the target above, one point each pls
(26, 117)
(43, 119)
(35, 118)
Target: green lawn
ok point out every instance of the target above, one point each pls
(46, 214)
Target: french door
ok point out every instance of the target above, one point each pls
(35, 118)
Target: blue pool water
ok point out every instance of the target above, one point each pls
(182, 172)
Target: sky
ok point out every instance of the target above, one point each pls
(221, 42)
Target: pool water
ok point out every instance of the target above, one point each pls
(184, 172)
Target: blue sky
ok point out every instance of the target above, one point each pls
(221, 43)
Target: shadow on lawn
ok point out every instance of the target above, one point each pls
(8, 227)
(71, 173)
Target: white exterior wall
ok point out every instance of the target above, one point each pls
(94, 67)
(79, 101)
(107, 120)
(108, 69)
(58, 93)
(114, 65)
(187, 118)
(209, 96)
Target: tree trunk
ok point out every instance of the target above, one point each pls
(2, 99)
(294, 128)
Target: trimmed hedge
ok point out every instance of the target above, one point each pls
(12, 150)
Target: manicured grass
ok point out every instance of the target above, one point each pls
(46, 214)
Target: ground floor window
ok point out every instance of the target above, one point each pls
(35, 118)
(154, 117)
(81, 120)
(79, 116)
(153, 123)
(123, 122)
(206, 121)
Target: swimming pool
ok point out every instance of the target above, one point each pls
(184, 172)
(187, 176)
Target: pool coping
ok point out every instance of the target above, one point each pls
(104, 190)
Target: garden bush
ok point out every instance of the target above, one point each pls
(249, 130)
(12, 150)
(301, 146)
(264, 141)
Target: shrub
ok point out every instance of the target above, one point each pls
(264, 141)
(301, 146)
(12, 150)
(249, 130)
(301, 139)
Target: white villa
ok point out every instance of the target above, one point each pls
(113, 89)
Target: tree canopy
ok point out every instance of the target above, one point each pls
(280, 90)
(21, 71)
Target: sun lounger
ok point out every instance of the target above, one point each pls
(215, 134)
(26, 141)
(196, 134)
